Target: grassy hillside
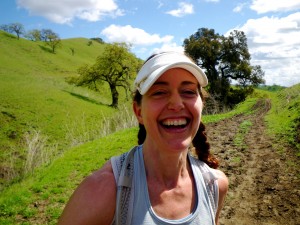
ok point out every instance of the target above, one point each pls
(42, 116)
(40, 198)
(38, 109)
(284, 117)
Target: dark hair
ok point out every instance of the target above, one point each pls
(201, 146)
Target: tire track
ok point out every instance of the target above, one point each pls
(263, 189)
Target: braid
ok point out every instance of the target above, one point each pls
(137, 97)
(202, 148)
(142, 134)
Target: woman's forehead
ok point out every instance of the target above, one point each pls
(177, 74)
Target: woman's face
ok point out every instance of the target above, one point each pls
(171, 111)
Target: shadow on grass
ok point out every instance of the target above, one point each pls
(9, 35)
(46, 49)
(86, 98)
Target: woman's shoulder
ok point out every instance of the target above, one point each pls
(219, 173)
(106, 173)
(103, 177)
(93, 200)
(223, 181)
(101, 182)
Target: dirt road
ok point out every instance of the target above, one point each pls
(264, 184)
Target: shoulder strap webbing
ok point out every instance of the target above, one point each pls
(210, 180)
(123, 171)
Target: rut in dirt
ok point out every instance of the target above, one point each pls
(264, 185)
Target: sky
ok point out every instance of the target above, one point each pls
(272, 27)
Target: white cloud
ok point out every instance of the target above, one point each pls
(143, 43)
(184, 9)
(64, 11)
(132, 35)
(168, 47)
(144, 53)
(239, 7)
(274, 43)
(264, 6)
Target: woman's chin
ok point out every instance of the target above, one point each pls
(179, 146)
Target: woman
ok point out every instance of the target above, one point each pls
(168, 184)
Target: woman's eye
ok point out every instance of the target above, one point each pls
(189, 92)
(159, 93)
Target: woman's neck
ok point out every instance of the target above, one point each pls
(166, 167)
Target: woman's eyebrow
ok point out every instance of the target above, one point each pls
(189, 83)
(182, 83)
(160, 83)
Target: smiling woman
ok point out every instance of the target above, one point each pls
(174, 98)
(159, 181)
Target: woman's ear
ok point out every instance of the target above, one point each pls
(138, 112)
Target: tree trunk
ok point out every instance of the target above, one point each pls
(114, 95)
(214, 83)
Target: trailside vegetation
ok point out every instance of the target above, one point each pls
(40, 198)
(41, 117)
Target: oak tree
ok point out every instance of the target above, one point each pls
(51, 39)
(115, 66)
(34, 35)
(225, 60)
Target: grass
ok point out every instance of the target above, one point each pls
(244, 107)
(236, 159)
(41, 196)
(243, 130)
(284, 117)
(39, 111)
(47, 190)
(36, 99)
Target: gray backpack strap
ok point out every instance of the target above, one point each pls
(212, 187)
(211, 183)
(123, 170)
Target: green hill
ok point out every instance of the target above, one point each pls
(40, 197)
(42, 116)
(284, 117)
(38, 109)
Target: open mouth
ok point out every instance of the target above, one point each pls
(175, 123)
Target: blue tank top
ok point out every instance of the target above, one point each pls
(144, 213)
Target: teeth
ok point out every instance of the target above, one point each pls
(175, 122)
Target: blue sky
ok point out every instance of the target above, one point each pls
(271, 26)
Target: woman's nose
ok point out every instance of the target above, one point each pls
(175, 102)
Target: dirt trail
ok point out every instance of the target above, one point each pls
(264, 186)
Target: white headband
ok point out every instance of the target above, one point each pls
(160, 63)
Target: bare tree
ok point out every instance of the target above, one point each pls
(17, 28)
(5, 28)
